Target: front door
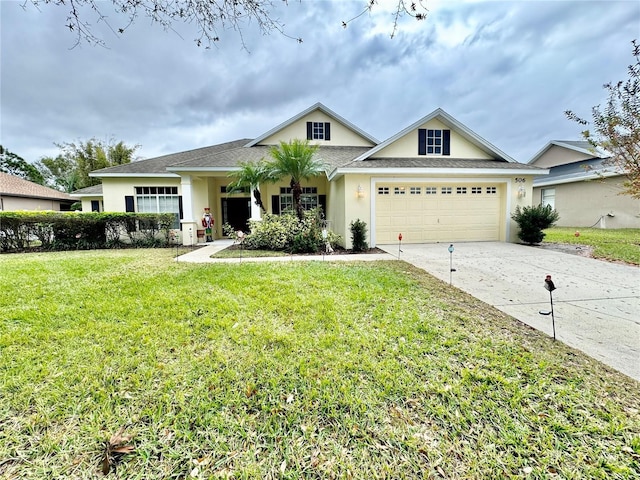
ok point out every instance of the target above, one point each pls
(236, 212)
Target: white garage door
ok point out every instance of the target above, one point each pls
(437, 212)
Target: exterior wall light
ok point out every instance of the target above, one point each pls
(360, 191)
(522, 192)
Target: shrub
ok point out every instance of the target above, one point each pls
(23, 230)
(533, 220)
(359, 235)
(285, 232)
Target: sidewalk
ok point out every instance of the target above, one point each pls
(203, 255)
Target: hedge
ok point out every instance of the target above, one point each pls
(34, 230)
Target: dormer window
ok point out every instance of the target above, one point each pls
(434, 142)
(318, 131)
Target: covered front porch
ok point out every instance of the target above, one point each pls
(209, 190)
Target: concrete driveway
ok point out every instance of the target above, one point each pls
(596, 303)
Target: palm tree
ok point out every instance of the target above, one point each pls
(250, 175)
(295, 159)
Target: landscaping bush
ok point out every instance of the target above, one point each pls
(286, 233)
(359, 235)
(533, 220)
(25, 230)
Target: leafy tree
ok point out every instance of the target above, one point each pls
(16, 165)
(616, 127)
(250, 175)
(295, 159)
(70, 170)
(60, 172)
(209, 16)
(533, 220)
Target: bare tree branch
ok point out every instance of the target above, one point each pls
(210, 17)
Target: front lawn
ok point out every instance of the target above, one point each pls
(609, 244)
(289, 370)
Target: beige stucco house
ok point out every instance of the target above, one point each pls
(583, 190)
(19, 194)
(433, 181)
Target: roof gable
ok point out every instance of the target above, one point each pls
(465, 143)
(343, 132)
(563, 152)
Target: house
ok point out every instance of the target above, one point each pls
(19, 194)
(581, 188)
(91, 198)
(433, 181)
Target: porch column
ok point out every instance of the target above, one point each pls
(255, 209)
(189, 225)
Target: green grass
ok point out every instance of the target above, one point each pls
(305, 370)
(615, 245)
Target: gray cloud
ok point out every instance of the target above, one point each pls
(508, 70)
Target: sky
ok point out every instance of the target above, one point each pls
(506, 70)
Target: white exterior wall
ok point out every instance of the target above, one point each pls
(86, 203)
(336, 209)
(407, 146)
(340, 135)
(115, 189)
(364, 208)
(357, 207)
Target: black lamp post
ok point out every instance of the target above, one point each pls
(548, 284)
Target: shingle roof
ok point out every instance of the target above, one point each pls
(331, 156)
(94, 190)
(440, 162)
(12, 186)
(158, 165)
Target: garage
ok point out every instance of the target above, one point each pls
(438, 212)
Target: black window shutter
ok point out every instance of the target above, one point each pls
(327, 131)
(128, 204)
(309, 131)
(95, 205)
(422, 141)
(322, 201)
(181, 213)
(275, 204)
(446, 142)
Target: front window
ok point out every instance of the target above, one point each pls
(159, 200)
(308, 199)
(434, 142)
(318, 130)
(549, 197)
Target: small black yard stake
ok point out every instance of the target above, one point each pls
(451, 269)
(548, 284)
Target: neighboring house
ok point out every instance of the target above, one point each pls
(19, 194)
(584, 191)
(434, 181)
(91, 198)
